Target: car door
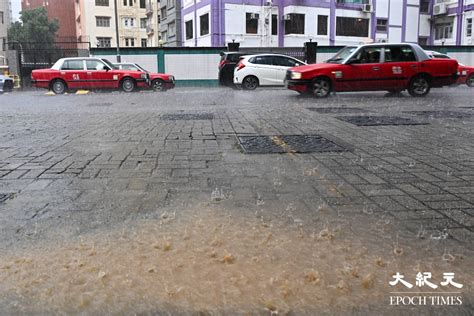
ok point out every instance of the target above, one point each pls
(400, 65)
(364, 71)
(263, 69)
(99, 74)
(73, 72)
(282, 64)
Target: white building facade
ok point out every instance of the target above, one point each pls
(280, 23)
(5, 22)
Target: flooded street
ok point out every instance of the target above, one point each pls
(259, 205)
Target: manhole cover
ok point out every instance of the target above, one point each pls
(99, 104)
(378, 120)
(186, 117)
(441, 114)
(288, 144)
(338, 110)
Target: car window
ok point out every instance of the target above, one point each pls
(441, 56)
(262, 60)
(399, 54)
(285, 61)
(73, 65)
(95, 65)
(129, 67)
(369, 55)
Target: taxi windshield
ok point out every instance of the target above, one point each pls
(341, 55)
(112, 66)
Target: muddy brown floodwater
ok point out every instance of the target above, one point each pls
(212, 261)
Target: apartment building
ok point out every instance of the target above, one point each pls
(5, 21)
(62, 10)
(170, 23)
(328, 22)
(95, 19)
(153, 22)
(451, 22)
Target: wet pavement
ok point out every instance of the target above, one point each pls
(346, 192)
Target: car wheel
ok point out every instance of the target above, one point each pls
(128, 85)
(419, 86)
(470, 80)
(320, 87)
(158, 85)
(58, 86)
(250, 83)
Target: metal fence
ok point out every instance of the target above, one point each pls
(296, 52)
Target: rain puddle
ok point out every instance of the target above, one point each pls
(212, 261)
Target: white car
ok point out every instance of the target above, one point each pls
(253, 71)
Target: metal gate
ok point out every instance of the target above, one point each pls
(296, 52)
(40, 55)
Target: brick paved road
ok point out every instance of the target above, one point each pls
(72, 164)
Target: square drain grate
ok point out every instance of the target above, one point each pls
(187, 117)
(338, 110)
(288, 144)
(378, 120)
(441, 114)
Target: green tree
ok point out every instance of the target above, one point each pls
(34, 27)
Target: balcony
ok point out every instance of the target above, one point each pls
(149, 30)
(149, 8)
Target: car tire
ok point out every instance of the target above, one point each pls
(58, 86)
(158, 85)
(250, 83)
(419, 86)
(320, 87)
(127, 85)
(470, 80)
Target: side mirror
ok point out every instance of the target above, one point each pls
(106, 68)
(352, 61)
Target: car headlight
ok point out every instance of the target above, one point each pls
(464, 72)
(295, 75)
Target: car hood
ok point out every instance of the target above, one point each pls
(312, 67)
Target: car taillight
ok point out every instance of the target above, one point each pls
(223, 62)
(240, 66)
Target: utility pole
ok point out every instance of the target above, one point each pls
(119, 59)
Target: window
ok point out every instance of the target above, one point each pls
(356, 27)
(102, 3)
(262, 60)
(1, 17)
(189, 29)
(163, 13)
(142, 4)
(104, 41)
(251, 23)
(95, 65)
(129, 2)
(204, 24)
(382, 25)
(129, 67)
(164, 36)
(73, 65)
(285, 61)
(424, 6)
(322, 25)
(128, 22)
(143, 23)
(399, 54)
(469, 27)
(369, 55)
(274, 24)
(129, 42)
(294, 24)
(443, 31)
(144, 42)
(172, 29)
(171, 3)
(102, 21)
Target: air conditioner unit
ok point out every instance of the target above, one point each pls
(254, 16)
(367, 8)
(439, 9)
(287, 17)
(269, 2)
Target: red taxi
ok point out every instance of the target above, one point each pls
(88, 73)
(465, 73)
(159, 82)
(374, 67)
